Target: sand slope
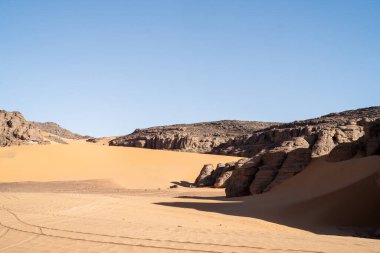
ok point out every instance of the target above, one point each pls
(300, 215)
(130, 167)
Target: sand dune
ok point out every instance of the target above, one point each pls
(300, 215)
(130, 167)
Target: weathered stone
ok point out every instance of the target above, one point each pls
(205, 178)
(217, 172)
(371, 141)
(324, 144)
(272, 162)
(343, 151)
(242, 176)
(15, 130)
(222, 180)
(296, 160)
(199, 137)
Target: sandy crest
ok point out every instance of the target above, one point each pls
(300, 215)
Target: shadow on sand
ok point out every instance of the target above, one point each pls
(351, 211)
(183, 183)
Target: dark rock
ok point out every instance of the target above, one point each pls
(223, 178)
(271, 161)
(242, 177)
(205, 178)
(296, 160)
(343, 151)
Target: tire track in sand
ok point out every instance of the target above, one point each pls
(41, 228)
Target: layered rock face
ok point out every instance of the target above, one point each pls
(322, 134)
(200, 137)
(15, 130)
(246, 139)
(281, 152)
(264, 171)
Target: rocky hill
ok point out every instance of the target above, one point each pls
(321, 134)
(248, 138)
(15, 130)
(57, 130)
(278, 153)
(199, 137)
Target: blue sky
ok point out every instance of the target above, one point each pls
(108, 67)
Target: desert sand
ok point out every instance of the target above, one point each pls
(131, 168)
(85, 197)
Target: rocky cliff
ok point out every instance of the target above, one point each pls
(246, 139)
(278, 153)
(320, 134)
(199, 137)
(15, 130)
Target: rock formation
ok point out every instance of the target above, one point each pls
(322, 134)
(205, 178)
(15, 130)
(268, 169)
(199, 137)
(246, 139)
(57, 130)
(278, 153)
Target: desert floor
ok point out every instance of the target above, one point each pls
(63, 198)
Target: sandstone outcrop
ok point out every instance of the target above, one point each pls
(222, 178)
(199, 137)
(205, 178)
(281, 152)
(217, 178)
(15, 130)
(270, 169)
(246, 139)
(321, 134)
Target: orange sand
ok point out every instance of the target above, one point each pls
(299, 215)
(131, 167)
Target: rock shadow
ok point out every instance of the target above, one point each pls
(350, 211)
(183, 183)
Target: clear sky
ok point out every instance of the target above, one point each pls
(107, 67)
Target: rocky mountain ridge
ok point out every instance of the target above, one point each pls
(246, 139)
(321, 134)
(198, 137)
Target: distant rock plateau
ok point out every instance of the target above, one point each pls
(248, 138)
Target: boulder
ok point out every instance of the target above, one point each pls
(205, 178)
(222, 180)
(15, 130)
(242, 177)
